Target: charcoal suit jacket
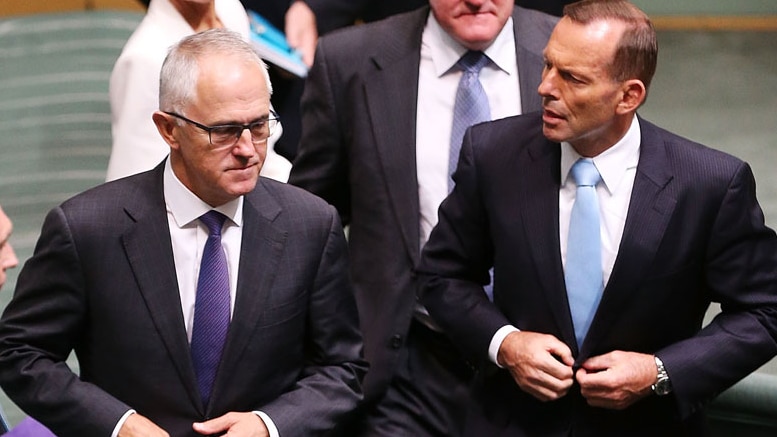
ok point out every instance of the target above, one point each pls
(358, 152)
(102, 282)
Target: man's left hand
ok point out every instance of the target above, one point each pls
(617, 379)
(234, 425)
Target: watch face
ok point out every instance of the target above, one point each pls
(663, 387)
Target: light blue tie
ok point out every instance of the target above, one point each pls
(471, 104)
(583, 273)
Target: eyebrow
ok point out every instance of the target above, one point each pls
(235, 123)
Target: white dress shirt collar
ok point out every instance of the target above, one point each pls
(612, 163)
(186, 207)
(446, 51)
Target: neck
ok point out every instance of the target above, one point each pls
(200, 16)
(603, 138)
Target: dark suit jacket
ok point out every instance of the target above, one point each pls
(358, 151)
(102, 282)
(694, 233)
(334, 14)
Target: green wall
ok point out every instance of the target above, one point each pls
(708, 7)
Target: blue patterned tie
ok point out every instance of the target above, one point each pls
(471, 105)
(583, 273)
(211, 307)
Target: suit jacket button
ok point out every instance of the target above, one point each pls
(396, 341)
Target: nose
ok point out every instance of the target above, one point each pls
(545, 88)
(244, 145)
(548, 87)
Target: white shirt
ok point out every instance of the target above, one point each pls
(188, 236)
(618, 167)
(437, 84)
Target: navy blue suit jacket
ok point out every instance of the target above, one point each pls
(694, 233)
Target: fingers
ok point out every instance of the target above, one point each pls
(540, 364)
(140, 426)
(616, 380)
(218, 425)
(233, 425)
(301, 31)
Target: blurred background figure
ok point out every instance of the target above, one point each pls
(134, 85)
(8, 258)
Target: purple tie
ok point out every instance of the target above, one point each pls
(211, 307)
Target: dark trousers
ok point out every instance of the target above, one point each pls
(428, 395)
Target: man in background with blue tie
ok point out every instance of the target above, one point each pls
(608, 237)
(199, 298)
(381, 125)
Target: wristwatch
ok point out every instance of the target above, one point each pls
(662, 386)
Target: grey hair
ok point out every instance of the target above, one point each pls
(180, 70)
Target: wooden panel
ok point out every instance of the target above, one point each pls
(27, 7)
(765, 23)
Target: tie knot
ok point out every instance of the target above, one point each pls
(585, 174)
(214, 220)
(472, 61)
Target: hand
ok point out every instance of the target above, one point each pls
(616, 380)
(234, 425)
(301, 31)
(540, 364)
(140, 426)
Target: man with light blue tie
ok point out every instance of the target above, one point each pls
(384, 110)
(609, 237)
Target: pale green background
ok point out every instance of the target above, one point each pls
(708, 7)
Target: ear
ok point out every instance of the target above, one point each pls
(166, 126)
(634, 94)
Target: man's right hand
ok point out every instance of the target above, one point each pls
(139, 426)
(540, 364)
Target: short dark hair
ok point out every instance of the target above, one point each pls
(637, 52)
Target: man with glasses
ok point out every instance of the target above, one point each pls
(200, 299)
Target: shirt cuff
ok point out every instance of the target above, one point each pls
(496, 342)
(123, 419)
(268, 423)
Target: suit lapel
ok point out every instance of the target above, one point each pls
(650, 209)
(530, 41)
(261, 249)
(539, 183)
(396, 67)
(150, 255)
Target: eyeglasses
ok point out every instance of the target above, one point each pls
(227, 135)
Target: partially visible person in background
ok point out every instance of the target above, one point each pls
(380, 126)
(134, 85)
(8, 258)
(304, 20)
